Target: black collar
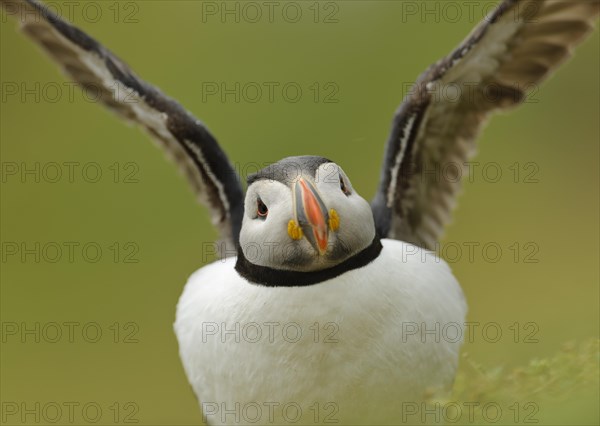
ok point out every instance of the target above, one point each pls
(270, 277)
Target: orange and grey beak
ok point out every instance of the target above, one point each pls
(311, 215)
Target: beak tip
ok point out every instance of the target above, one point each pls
(322, 241)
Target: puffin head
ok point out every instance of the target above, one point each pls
(302, 214)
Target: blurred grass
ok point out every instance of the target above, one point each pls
(553, 390)
(371, 56)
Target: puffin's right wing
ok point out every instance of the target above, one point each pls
(434, 130)
(184, 137)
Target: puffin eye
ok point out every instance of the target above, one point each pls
(343, 186)
(261, 209)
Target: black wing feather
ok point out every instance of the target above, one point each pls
(513, 49)
(184, 137)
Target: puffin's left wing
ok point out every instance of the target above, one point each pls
(434, 130)
(183, 137)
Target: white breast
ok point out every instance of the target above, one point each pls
(357, 348)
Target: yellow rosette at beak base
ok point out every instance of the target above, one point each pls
(294, 230)
(334, 220)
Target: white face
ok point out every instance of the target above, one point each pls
(316, 238)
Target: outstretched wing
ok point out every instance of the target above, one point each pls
(184, 137)
(435, 128)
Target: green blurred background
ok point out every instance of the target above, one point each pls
(371, 54)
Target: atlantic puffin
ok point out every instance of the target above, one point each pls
(324, 307)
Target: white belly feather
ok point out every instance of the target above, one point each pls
(362, 354)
